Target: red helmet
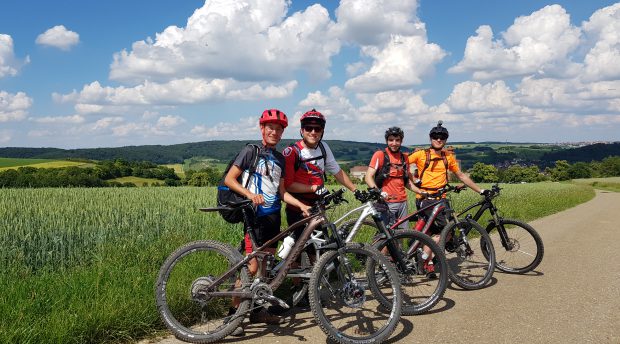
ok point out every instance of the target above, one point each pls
(313, 115)
(274, 116)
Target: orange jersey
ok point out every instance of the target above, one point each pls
(435, 174)
(394, 185)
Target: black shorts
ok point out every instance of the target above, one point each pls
(266, 228)
(440, 221)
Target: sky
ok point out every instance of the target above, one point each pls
(83, 74)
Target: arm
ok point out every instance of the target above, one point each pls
(289, 199)
(234, 185)
(298, 187)
(411, 186)
(370, 177)
(344, 180)
(467, 181)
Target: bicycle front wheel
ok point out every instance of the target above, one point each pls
(421, 288)
(183, 288)
(469, 254)
(342, 300)
(521, 249)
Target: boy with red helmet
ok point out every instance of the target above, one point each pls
(265, 189)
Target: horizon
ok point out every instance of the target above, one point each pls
(448, 144)
(165, 73)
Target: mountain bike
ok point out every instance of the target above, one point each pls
(518, 247)
(468, 268)
(198, 282)
(421, 291)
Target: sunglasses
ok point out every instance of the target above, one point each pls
(311, 128)
(439, 137)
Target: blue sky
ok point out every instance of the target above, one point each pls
(77, 74)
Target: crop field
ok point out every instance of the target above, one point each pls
(8, 163)
(138, 181)
(78, 265)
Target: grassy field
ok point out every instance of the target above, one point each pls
(138, 181)
(78, 265)
(9, 163)
(608, 184)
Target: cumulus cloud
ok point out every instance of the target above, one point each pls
(169, 121)
(95, 98)
(401, 64)
(59, 37)
(601, 62)
(373, 22)
(9, 65)
(471, 96)
(75, 119)
(242, 129)
(14, 107)
(246, 40)
(538, 43)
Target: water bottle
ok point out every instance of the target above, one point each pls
(285, 248)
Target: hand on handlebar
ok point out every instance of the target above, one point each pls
(322, 191)
(486, 193)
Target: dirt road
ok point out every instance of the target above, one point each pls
(572, 297)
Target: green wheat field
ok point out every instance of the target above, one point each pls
(78, 265)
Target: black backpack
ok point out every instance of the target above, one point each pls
(384, 172)
(225, 195)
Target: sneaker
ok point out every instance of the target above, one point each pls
(238, 332)
(263, 316)
(430, 270)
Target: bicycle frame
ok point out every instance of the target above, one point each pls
(487, 204)
(369, 209)
(314, 222)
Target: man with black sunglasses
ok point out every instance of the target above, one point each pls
(307, 162)
(433, 165)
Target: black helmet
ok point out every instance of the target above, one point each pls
(439, 130)
(394, 131)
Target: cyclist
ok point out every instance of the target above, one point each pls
(265, 189)
(307, 162)
(433, 165)
(393, 177)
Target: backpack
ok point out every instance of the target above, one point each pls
(384, 173)
(225, 195)
(427, 163)
(298, 160)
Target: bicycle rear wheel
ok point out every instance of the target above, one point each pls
(469, 254)
(421, 290)
(523, 250)
(183, 296)
(342, 300)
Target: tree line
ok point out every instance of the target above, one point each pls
(99, 175)
(562, 170)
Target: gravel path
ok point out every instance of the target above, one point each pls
(572, 297)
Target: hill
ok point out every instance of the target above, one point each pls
(347, 152)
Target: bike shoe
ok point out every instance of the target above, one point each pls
(430, 271)
(263, 316)
(238, 332)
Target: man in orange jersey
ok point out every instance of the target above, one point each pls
(433, 165)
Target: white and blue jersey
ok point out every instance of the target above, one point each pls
(266, 178)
